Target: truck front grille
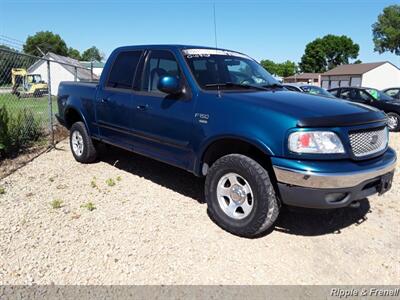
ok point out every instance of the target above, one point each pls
(365, 143)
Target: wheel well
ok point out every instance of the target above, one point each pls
(71, 117)
(230, 146)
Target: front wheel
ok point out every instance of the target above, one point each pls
(240, 196)
(393, 121)
(82, 146)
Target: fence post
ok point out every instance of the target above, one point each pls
(76, 74)
(50, 104)
(91, 70)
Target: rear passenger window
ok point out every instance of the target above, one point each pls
(123, 70)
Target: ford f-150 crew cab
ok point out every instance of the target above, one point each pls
(218, 113)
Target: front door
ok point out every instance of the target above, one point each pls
(164, 122)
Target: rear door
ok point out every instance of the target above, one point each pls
(115, 105)
(164, 123)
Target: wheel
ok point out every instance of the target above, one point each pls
(393, 121)
(82, 146)
(240, 196)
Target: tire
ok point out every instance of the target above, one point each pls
(82, 146)
(393, 125)
(254, 181)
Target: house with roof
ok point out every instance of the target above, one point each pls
(96, 66)
(61, 69)
(308, 78)
(379, 75)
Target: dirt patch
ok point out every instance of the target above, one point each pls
(147, 224)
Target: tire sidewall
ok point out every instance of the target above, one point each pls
(78, 127)
(260, 191)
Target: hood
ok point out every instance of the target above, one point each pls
(311, 110)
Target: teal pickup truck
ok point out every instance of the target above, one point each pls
(217, 113)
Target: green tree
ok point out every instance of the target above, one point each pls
(269, 65)
(386, 31)
(73, 53)
(285, 69)
(47, 41)
(92, 54)
(326, 53)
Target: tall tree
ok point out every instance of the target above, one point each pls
(47, 41)
(92, 54)
(386, 31)
(73, 53)
(326, 53)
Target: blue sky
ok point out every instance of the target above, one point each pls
(277, 30)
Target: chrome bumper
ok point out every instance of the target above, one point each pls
(330, 180)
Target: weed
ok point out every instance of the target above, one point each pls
(119, 178)
(89, 206)
(93, 184)
(55, 204)
(2, 191)
(51, 179)
(110, 182)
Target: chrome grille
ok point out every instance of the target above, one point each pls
(364, 143)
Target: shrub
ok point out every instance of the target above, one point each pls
(17, 131)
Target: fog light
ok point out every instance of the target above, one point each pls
(335, 197)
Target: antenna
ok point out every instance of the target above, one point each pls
(215, 28)
(216, 44)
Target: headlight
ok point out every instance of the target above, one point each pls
(317, 142)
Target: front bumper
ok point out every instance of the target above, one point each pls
(313, 184)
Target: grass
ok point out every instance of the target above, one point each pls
(89, 206)
(56, 204)
(39, 106)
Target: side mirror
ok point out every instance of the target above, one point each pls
(170, 85)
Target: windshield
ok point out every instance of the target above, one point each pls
(35, 78)
(378, 95)
(214, 69)
(315, 90)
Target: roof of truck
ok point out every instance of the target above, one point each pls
(173, 46)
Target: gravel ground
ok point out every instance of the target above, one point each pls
(152, 227)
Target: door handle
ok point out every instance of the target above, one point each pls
(105, 100)
(142, 107)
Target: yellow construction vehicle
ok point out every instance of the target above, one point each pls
(27, 85)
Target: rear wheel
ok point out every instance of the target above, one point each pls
(240, 196)
(82, 146)
(393, 121)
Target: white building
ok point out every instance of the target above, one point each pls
(379, 75)
(61, 72)
(97, 66)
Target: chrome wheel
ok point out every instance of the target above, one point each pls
(77, 143)
(393, 122)
(235, 196)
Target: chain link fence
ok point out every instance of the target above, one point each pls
(28, 97)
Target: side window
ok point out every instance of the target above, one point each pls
(160, 63)
(364, 96)
(395, 93)
(123, 70)
(334, 92)
(346, 94)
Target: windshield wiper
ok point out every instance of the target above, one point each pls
(233, 84)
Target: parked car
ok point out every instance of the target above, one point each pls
(217, 113)
(393, 92)
(308, 88)
(375, 98)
